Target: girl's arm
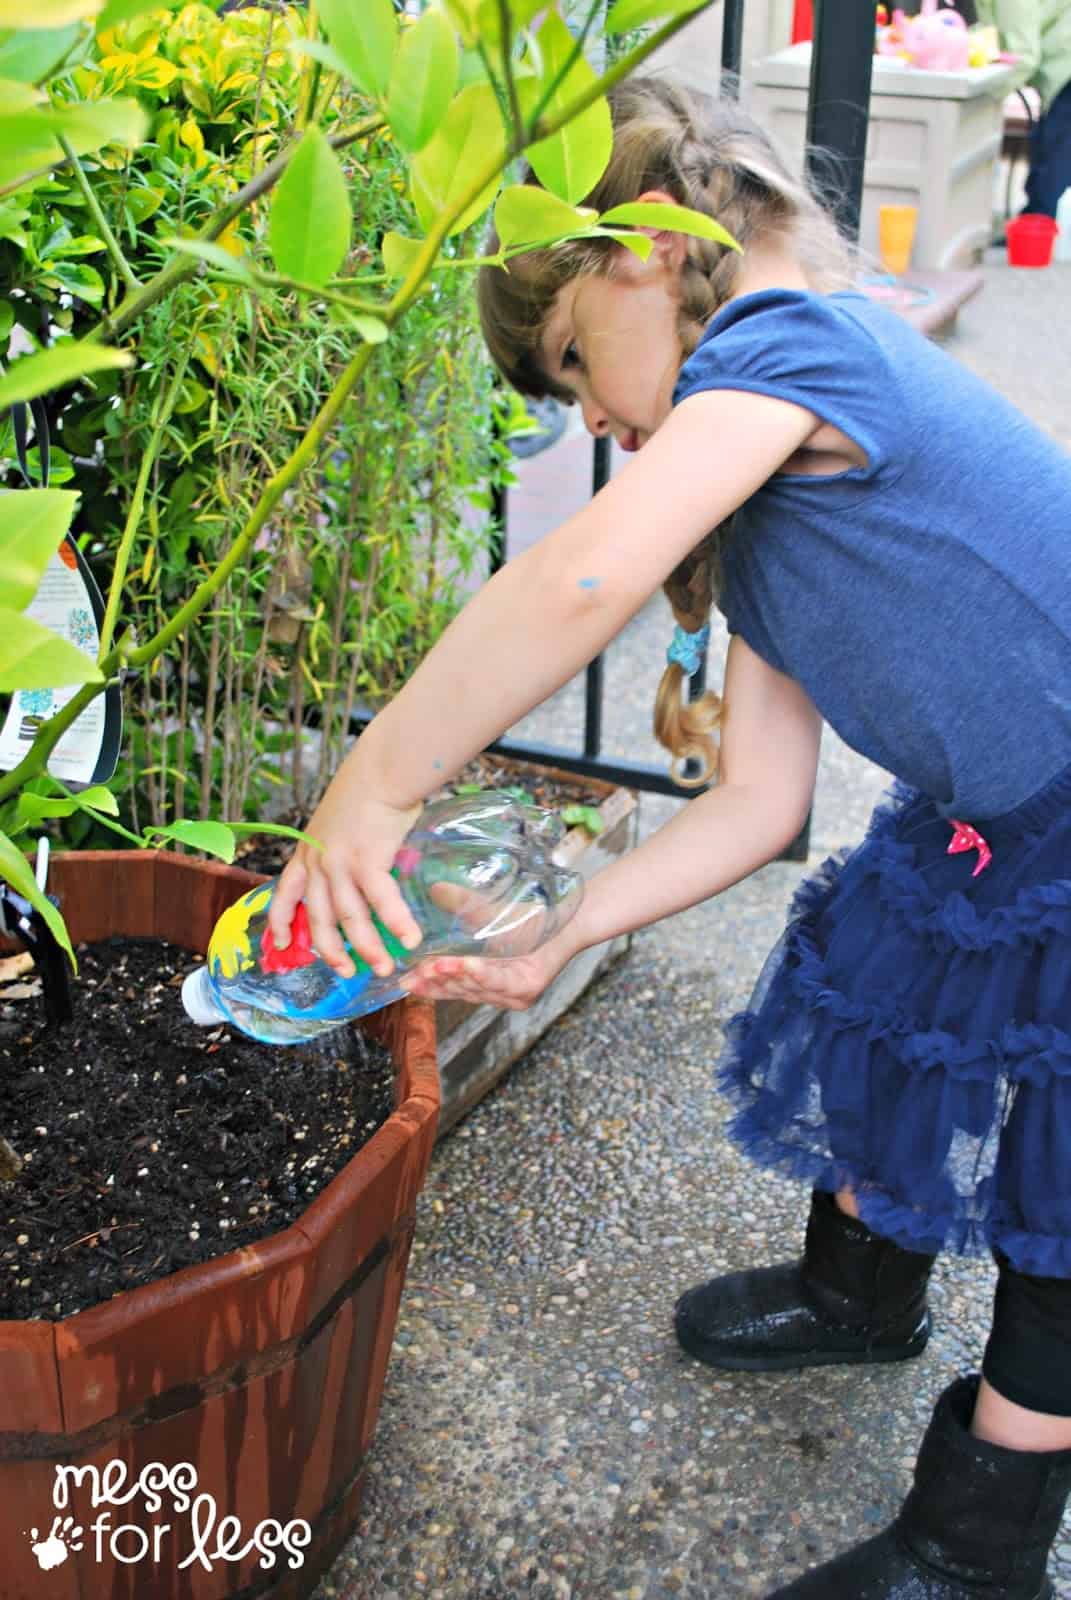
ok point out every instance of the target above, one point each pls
(769, 755)
(537, 622)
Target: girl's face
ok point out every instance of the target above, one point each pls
(614, 342)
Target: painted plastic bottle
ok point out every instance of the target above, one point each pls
(477, 874)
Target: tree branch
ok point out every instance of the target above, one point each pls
(506, 24)
(123, 267)
(163, 410)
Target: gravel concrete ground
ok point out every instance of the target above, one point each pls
(542, 1435)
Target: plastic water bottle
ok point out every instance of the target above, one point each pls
(475, 871)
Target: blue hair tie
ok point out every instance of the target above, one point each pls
(686, 649)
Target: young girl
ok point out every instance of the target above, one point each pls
(891, 553)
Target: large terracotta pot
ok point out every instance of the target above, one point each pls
(262, 1369)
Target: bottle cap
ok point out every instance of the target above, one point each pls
(199, 1001)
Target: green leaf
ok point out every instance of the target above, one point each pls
(279, 828)
(192, 396)
(86, 244)
(669, 218)
(60, 465)
(29, 55)
(641, 244)
(365, 33)
(373, 330)
(310, 223)
(571, 162)
(463, 14)
(29, 138)
(32, 523)
(470, 136)
(215, 838)
(7, 320)
(471, 69)
(628, 14)
(46, 13)
(26, 143)
(320, 51)
(18, 872)
(423, 80)
(16, 98)
(141, 202)
(480, 21)
(90, 124)
(34, 808)
(122, 10)
(527, 215)
(98, 798)
(32, 657)
(215, 255)
(78, 279)
(583, 817)
(399, 253)
(53, 369)
(12, 216)
(489, 18)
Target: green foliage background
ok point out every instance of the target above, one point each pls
(368, 558)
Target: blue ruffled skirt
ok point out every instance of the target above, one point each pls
(910, 1035)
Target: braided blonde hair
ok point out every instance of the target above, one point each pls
(709, 155)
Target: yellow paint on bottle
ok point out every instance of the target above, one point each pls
(230, 952)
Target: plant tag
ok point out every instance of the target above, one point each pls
(69, 603)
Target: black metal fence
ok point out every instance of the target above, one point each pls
(837, 118)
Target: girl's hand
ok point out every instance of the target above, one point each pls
(512, 985)
(345, 882)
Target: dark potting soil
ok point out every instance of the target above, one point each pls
(270, 855)
(149, 1144)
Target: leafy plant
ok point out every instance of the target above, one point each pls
(279, 649)
(584, 817)
(518, 83)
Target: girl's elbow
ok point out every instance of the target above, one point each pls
(784, 819)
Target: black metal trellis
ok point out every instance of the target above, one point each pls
(837, 119)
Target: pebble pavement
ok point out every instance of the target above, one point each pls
(541, 1434)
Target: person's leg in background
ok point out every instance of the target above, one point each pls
(1050, 156)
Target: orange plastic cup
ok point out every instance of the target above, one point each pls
(896, 235)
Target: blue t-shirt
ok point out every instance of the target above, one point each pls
(923, 600)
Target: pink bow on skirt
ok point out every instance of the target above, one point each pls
(964, 837)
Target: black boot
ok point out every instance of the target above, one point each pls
(854, 1297)
(977, 1525)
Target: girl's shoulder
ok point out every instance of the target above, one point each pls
(790, 332)
(827, 353)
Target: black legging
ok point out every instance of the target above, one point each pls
(1028, 1357)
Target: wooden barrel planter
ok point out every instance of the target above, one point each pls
(252, 1381)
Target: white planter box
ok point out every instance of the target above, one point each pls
(933, 143)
